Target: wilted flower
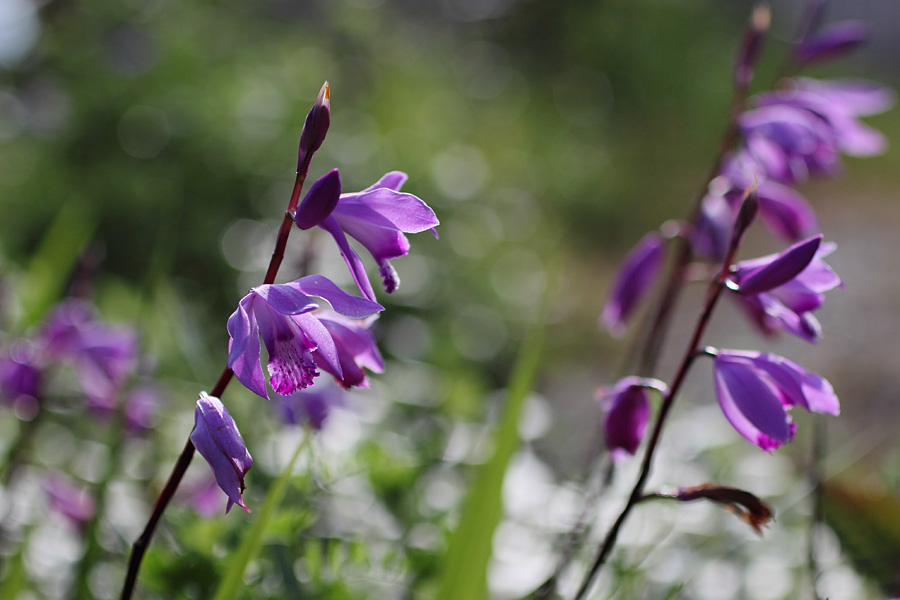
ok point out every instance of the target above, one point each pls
(298, 342)
(634, 279)
(377, 217)
(218, 440)
(756, 390)
(781, 291)
(627, 412)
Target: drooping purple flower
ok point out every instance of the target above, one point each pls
(218, 440)
(627, 412)
(377, 217)
(310, 406)
(756, 390)
(101, 356)
(68, 500)
(831, 42)
(781, 291)
(297, 341)
(633, 281)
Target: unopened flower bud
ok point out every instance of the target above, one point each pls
(319, 201)
(316, 125)
(751, 45)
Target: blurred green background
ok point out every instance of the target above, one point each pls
(160, 137)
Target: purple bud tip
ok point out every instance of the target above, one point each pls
(316, 125)
(319, 201)
(751, 47)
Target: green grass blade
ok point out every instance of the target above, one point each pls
(465, 571)
(51, 265)
(232, 583)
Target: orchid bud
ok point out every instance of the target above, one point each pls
(751, 45)
(316, 125)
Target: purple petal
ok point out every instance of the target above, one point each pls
(854, 96)
(319, 201)
(384, 207)
(712, 232)
(243, 348)
(750, 402)
(326, 351)
(342, 302)
(832, 41)
(393, 180)
(785, 212)
(354, 263)
(218, 440)
(285, 299)
(356, 350)
(781, 269)
(800, 386)
(634, 279)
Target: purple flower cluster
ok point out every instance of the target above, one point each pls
(303, 336)
(782, 138)
(102, 358)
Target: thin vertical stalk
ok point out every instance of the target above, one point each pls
(187, 454)
(691, 352)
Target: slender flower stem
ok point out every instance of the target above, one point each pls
(637, 492)
(184, 460)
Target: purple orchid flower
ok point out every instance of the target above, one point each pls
(310, 406)
(838, 105)
(789, 143)
(756, 390)
(298, 342)
(377, 217)
(627, 412)
(102, 356)
(633, 281)
(781, 291)
(218, 440)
